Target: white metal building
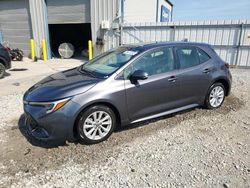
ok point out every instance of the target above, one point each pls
(74, 21)
(147, 11)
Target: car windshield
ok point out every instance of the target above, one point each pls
(106, 64)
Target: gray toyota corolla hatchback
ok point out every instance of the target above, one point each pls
(124, 86)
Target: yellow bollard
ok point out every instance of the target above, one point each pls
(90, 50)
(32, 49)
(45, 57)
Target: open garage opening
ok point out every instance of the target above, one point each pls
(76, 34)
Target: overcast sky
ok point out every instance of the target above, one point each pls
(210, 9)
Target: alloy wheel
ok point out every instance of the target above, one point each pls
(216, 96)
(97, 125)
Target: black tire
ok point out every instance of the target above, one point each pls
(87, 114)
(19, 57)
(208, 103)
(2, 70)
(21, 52)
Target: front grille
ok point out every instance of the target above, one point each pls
(32, 124)
(34, 129)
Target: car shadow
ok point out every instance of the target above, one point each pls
(18, 69)
(32, 140)
(6, 74)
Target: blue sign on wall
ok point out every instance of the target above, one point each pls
(164, 14)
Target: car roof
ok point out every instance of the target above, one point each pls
(146, 46)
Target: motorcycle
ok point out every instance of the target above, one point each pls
(15, 54)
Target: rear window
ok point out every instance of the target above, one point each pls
(188, 57)
(191, 56)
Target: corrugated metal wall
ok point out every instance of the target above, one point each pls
(104, 10)
(229, 38)
(15, 23)
(38, 13)
(99, 10)
(65, 11)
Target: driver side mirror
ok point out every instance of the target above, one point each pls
(139, 75)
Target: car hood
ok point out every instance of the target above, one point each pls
(60, 85)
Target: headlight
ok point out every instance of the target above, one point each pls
(50, 106)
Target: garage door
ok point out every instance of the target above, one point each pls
(68, 11)
(15, 23)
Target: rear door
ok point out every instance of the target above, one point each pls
(160, 91)
(195, 68)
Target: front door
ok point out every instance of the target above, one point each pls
(160, 91)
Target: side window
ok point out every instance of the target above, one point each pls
(154, 62)
(203, 56)
(188, 57)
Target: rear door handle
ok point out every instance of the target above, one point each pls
(206, 71)
(172, 79)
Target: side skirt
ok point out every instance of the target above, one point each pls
(166, 113)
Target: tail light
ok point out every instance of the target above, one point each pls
(227, 65)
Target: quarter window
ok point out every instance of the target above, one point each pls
(154, 62)
(203, 56)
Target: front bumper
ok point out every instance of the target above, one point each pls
(58, 126)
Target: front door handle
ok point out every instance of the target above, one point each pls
(206, 71)
(172, 79)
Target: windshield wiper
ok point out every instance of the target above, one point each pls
(87, 72)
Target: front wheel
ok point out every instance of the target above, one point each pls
(215, 96)
(96, 124)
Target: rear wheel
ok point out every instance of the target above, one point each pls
(215, 96)
(2, 70)
(96, 124)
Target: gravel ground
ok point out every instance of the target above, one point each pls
(196, 148)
